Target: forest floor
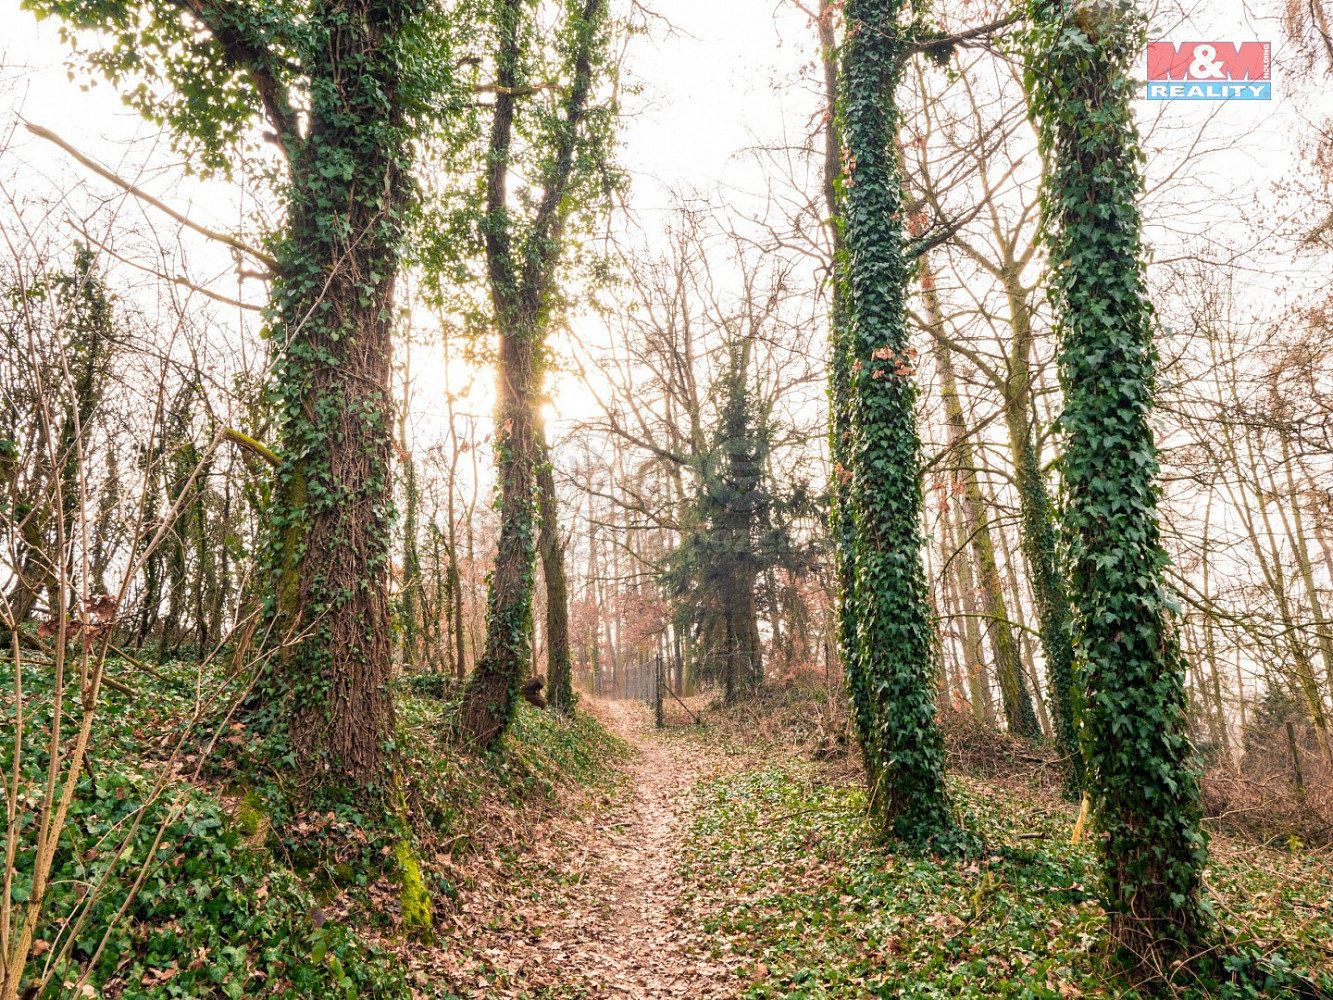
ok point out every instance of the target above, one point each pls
(595, 857)
(592, 908)
(737, 862)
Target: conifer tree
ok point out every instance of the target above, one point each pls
(737, 531)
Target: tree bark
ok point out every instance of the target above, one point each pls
(892, 663)
(842, 526)
(1139, 769)
(493, 686)
(559, 670)
(976, 521)
(1038, 529)
(521, 273)
(959, 572)
(330, 522)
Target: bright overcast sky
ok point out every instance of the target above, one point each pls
(726, 76)
(723, 78)
(708, 88)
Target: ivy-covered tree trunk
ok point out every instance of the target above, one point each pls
(559, 668)
(841, 526)
(1037, 525)
(1144, 790)
(521, 260)
(740, 637)
(1038, 531)
(493, 686)
(334, 300)
(891, 665)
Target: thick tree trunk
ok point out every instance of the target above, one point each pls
(1139, 773)
(842, 528)
(333, 595)
(330, 522)
(743, 670)
(892, 666)
(520, 272)
(753, 659)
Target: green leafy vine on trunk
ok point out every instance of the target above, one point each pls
(344, 92)
(890, 670)
(1128, 667)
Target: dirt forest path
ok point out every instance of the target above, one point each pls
(640, 949)
(612, 928)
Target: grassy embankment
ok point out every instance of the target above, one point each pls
(192, 865)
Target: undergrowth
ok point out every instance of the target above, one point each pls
(785, 873)
(249, 887)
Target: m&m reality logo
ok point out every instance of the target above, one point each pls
(1210, 71)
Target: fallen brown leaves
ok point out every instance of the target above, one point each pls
(588, 905)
